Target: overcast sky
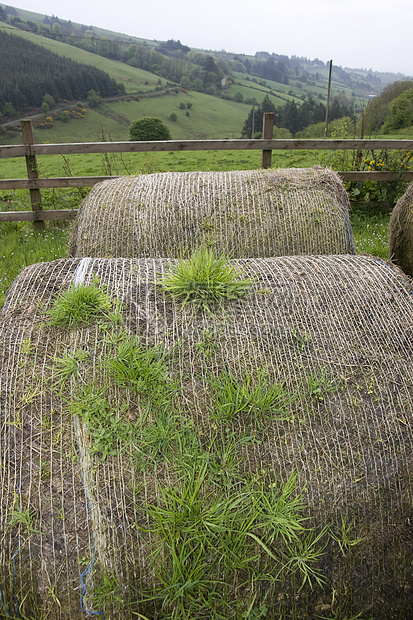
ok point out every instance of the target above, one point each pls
(373, 34)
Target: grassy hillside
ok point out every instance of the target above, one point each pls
(135, 80)
(148, 94)
(214, 117)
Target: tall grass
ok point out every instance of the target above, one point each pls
(21, 245)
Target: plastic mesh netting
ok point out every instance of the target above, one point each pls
(244, 213)
(84, 506)
(401, 232)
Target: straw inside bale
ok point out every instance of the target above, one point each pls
(79, 513)
(253, 213)
(401, 232)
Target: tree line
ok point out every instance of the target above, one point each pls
(33, 71)
(292, 116)
(391, 110)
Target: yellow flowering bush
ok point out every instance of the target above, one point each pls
(383, 191)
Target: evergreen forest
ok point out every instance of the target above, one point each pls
(33, 71)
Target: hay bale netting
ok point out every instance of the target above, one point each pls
(401, 232)
(95, 457)
(246, 213)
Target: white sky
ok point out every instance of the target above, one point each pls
(373, 34)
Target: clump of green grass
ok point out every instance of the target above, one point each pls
(141, 369)
(207, 538)
(80, 305)
(205, 280)
(68, 367)
(320, 385)
(248, 395)
(107, 424)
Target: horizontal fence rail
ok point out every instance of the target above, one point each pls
(30, 151)
(76, 148)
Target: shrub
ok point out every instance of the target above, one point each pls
(149, 128)
(93, 98)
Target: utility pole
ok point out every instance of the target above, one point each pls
(328, 99)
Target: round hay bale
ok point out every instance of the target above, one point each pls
(401, 232)
(244, 213)
(159, 461)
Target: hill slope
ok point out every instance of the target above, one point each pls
(223, 86)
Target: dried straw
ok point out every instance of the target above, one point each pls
(346, 318)
(401, 232)
(253, 213)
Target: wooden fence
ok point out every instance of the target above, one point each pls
(34, 183)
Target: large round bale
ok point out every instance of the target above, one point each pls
(163, 458)
(246, 213)
(401, 232)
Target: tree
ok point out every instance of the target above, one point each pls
(49, 100)
(401, 112)
(173, 116)
(378, 109)
(8, 109)
(185, 82)
(149, 128)
(266, 106)
(93, 98)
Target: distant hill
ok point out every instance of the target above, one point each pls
(296, 87)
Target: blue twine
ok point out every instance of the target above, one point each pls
(92, 562)
(90, 567)
(15, 554)
(8, 295)
(16, 602)
(4, 606)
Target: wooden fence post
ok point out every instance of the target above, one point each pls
(267, 129)
(31, 165)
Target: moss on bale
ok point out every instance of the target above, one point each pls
(401, 232)
(245, 213)
(95, 458)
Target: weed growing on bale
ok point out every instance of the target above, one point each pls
(345, 538)
(158, 441)
(106, 427)
(256, 397)
(107, 591)
(80, 305)
(67, 367)
(320, 385)
(141, 369)
(212, 542)
(24, 518)
(205, 280)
